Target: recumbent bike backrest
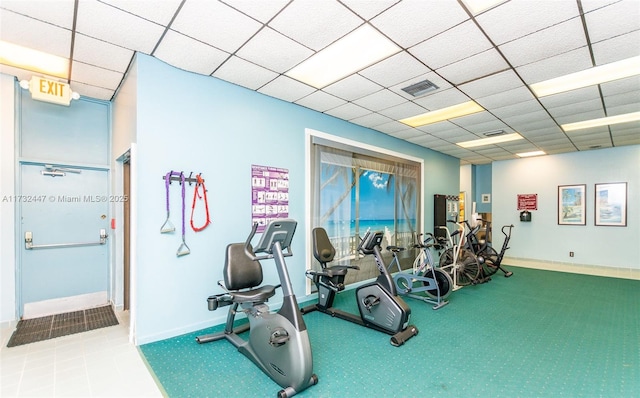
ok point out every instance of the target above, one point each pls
(240, 271)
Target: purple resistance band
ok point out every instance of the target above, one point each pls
(167, 181)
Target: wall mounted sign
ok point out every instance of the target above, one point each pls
(269, 194)
(528, 201)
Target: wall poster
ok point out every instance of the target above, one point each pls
(611, 204)
(269, 194)
(571, 204)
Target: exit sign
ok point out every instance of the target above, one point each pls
(46, 90)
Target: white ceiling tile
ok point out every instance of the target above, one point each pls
(286, 88)
(508, 97)
(396, 127)
(402, 111)
(613, 20)
(34, 34)
(590, 5)
(576, 107)
(544, 44)
(100, 53)
(315, 24)
(112, 25)
(442, 99)
(515, 19)
(348, 111)
(570, 97)
(474, 67)
(582, 116)
(191, 55)
(493, 84)
(408, 22)
(481, 118)
(617, 48)
(560, 65)
(380, 100)
(622, 109)
(56, 12)
(244, 73)
(216, 24)
(353, 87)
(368, 9)
(274, 51)
(162, 11)
(87, 90)
(438, 51)
(479, 128)
(92, 75)
(519, 109)
(370, 120)
(405, 134)
(621, 86)
(618, 100)
(320, 101)
(395, 69)
(263, 11)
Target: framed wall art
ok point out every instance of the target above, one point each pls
(571, 205)
(611, 204)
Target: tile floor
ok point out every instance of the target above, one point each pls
(98, 363)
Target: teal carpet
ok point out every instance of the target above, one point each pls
(536, 334)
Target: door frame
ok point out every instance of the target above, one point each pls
(19, 233)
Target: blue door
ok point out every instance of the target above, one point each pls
(64, 212)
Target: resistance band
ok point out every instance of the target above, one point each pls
(196, 195)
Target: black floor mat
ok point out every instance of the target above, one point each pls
(52, 326)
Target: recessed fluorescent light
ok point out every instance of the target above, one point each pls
(33, 60)
(466, 108)
(605, 121)
(529, 154)
(354, 52)
(492, 140)
(589, 77)
(477, 6)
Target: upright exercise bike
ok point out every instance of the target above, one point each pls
(380, 306)
(278, 342)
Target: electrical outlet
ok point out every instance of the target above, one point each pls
(570, 254)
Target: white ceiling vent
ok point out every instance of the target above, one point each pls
(420, 88)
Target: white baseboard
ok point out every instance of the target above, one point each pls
(39, 309)
(597, 270)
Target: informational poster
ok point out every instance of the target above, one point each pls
(528, 201)
(270, 194)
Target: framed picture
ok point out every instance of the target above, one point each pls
(571, 205)
(611, 204)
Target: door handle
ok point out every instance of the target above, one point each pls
(29, 245)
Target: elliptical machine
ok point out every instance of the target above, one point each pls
(278, 342)
(378, 302)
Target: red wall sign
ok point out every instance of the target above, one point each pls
(528, 201)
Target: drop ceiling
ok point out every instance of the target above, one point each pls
(490, 57)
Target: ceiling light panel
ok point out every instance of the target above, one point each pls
(354, 52)
(118, 27)
(437, 51)
(490, 141)
(589, 77)
(625, 118)
(413, 28)
(451, 112)
(530, 154)
(216, 24)
(33, 60)
(315, 24)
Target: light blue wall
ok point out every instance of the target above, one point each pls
(187, 122)
(482, 185)
(542, 238)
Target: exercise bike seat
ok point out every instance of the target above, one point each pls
(241, 272)
(324, 252)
